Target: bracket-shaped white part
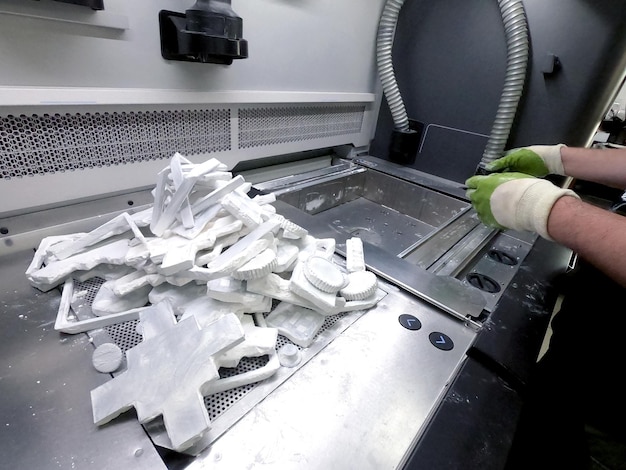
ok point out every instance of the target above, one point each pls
(239, 253)
(182, 257)
(42, 255)
(115, 226)
(64, 324)
(214, 196)
(228, 289)
(242, 207)
(176, 172)
(135, 280)
(245, 378)
(56, 272)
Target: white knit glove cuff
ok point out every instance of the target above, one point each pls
(525, 204)
(551, 155)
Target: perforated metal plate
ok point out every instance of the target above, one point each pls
(270, 126)
(49, 143)
(126, 336)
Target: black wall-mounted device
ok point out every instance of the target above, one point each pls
(208, 32)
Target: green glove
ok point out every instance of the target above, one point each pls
(536, 160)
(514, 201)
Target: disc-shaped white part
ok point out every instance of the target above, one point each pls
(259, 266)
(324, 275)
(361, 285)
(107, 357)
(292, 230)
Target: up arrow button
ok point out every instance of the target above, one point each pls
(409, 322)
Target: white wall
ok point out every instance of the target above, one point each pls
(294, 45)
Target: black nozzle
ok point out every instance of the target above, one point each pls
(405, 143)
(215, 18)
(210, 32)
(481, 170)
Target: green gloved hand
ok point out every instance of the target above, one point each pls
(536, 160)
(514, 201)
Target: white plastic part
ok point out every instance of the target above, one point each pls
(324, 274)
(168, 375)
(324, 302)
(115, 226)
(276, 287)
(299, 324)
(57, 272)
(361, 285)
(292, 230)
(286, 256)
(107, 358)
(228, 289)
(258, 342)
(289, 355)
(243, 208)
(259, 266)
(355, 260)
(106, 302)
(69, 325)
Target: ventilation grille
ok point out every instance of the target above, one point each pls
(270, 126)
(50, 143)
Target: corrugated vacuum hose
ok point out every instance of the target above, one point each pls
(516, 33)
(517, 42)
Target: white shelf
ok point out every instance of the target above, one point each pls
(64, 13)
(48, 96)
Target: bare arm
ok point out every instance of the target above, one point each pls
(597, 235)
(604, 166)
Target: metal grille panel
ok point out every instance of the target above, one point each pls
(269, 126)
(50, 143)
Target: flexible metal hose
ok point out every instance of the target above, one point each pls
(384, 44)
(516, 31)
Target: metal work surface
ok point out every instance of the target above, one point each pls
(45, 381)
(359, 403)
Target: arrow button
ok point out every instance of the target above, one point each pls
(441, 341)
(409, 322)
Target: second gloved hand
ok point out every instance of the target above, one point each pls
(514, 200)
(536, 160)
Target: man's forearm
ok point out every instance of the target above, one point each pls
(596, 234)
(605, 166)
